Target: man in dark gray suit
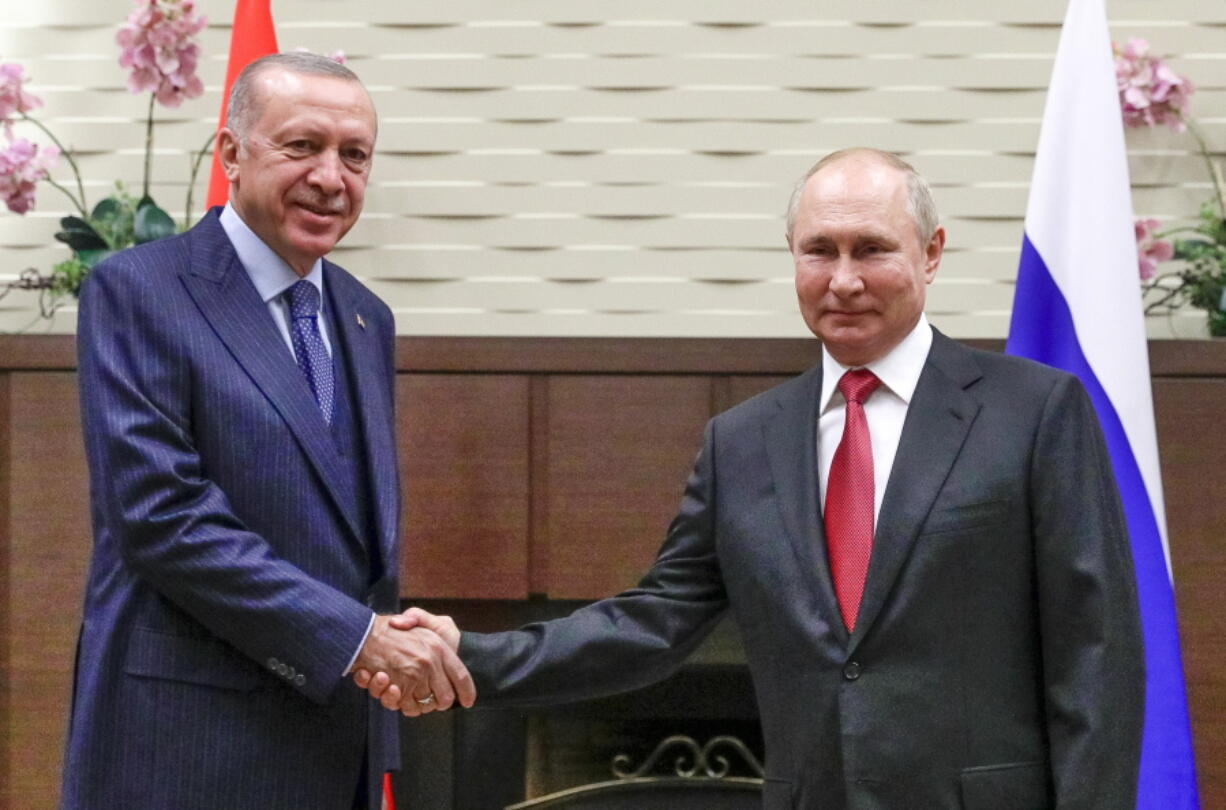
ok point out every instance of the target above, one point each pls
(237, 396)
(956, 625)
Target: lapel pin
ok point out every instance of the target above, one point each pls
(361, 322)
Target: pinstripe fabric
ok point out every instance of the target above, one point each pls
(229, 583)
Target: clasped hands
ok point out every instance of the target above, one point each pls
(409, 663)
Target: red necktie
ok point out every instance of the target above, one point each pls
(849, 497)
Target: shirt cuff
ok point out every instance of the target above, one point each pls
(370, 626)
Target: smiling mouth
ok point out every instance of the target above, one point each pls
(322, 210)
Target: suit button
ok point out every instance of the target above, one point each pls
(300, 679)
(283, 670)
(273, 664)
(851, 671)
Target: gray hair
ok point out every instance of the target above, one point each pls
(920, 205)
(243, 107)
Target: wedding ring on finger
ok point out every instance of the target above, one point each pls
(428, 700)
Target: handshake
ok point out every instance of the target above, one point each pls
(409, 663)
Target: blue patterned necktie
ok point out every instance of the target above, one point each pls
(309, 348)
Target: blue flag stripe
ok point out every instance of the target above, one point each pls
(1042, 329)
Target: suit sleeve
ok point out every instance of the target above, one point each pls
(624, 642)
(153, 500)
(1093, 665)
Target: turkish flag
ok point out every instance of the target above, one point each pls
(389, 803)
(251, 37)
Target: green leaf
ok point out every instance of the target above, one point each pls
(68, 275)
(152, 223)
(112, 219)
(90, 258)
(145, 202)
(80, 235)
(108, 208)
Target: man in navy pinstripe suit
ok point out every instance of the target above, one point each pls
(237, 396)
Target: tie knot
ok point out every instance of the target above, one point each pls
(857, 384)
(303, 300)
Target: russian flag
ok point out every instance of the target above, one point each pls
(1078, 307)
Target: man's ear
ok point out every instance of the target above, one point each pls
(227, 151)
(934, 251)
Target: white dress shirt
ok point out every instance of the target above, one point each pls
(885, 411)
(272, 276)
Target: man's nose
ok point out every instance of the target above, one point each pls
(845, 281)
(327, 173)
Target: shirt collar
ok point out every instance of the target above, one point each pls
(899, 370)
(268, 271)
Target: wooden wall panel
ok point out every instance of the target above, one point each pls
(464, 467)
(619, 451)
(580, 445)
(48, 530)
(741, 387)
(1193, 448)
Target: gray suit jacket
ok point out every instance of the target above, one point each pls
(996, 661)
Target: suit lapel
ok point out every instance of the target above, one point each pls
(938, 420)
(791, 445)
(230, 303)
(361, 343)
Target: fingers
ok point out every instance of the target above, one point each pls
(458, 677)
(375, 684)
(435, 678)
(444, 626)
(401, 668)
(447, 678)
(390, 699)
(408, 620)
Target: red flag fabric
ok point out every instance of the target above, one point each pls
(251, 37)
(389, 803)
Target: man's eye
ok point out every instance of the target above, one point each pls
(300, 145)
(358, 156)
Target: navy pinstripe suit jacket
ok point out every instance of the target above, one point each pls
(230, 582)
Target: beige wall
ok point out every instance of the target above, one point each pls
(571, 167)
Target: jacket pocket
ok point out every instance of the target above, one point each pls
(192, 659)
(967, 516)
(1015, 786)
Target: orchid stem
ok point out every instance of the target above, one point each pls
(69, 195)
(148, 145)
(191, 181)
(76, 171)
(1214, 173)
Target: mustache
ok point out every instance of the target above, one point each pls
(323, 205)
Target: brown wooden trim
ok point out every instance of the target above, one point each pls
(38, 352)
(538, 484)
(7, 642)
(608, 355)
(564, 355)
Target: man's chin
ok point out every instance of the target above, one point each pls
(850, 346)
(313, 246)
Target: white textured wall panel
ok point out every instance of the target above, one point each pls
(570, 167)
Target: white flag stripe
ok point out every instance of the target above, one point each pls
(1090, 223)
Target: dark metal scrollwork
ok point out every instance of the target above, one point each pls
(690, 759)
